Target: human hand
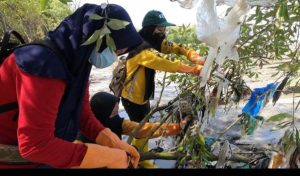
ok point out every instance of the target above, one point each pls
(196, 58)
(98, 156)
(134, 155)
(108, 138)
(170, 129)
(197, 70)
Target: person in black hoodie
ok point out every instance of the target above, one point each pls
(105, 106)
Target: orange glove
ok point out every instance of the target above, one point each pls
(188, 69)
(197, 70)
(170, 129)
(98, 156)
(166, 129)
(196, 58)
(108, 138)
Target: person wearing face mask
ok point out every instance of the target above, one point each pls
(141, 66)
(50, 95)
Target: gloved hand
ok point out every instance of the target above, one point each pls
(166, 129)
(98, 156)
(196, 58)
(197, 70)
(188, 69)
(108, 138)
(171, 129)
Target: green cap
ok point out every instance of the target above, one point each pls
(156, 18)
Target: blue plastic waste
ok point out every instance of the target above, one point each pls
(255, 104)
(256, 101)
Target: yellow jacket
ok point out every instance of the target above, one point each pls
(149, 59)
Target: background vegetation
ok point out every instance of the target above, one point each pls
(32, 18)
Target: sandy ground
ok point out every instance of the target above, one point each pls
(100, 79)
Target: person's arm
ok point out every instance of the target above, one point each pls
(148, 59)
(36, 125)
(168, 47)
(165, 130)
(39, 99)
(90, 126)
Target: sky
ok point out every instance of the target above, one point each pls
(138, 8)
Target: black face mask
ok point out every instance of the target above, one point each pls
(158, 38)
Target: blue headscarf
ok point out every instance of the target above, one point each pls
(74, 66)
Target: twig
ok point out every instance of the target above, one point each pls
(153, 131)
(147, 117)
(161, 155)
(162, 90)
(241, 116)
(294, 119)
(178, 155)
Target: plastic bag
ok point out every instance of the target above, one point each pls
(207, 23)
(265, 3)
(257, 99)
(187, 4)
(220, 34)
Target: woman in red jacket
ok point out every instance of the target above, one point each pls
(51, 93)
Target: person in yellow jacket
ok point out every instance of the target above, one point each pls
(141, 68)
(105, 106)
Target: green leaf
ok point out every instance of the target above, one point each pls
(104, 31)
(279, 12)
(116, 24)
(283, 125)
(92, 38)
(180, 149)
(279, 117)
(201, 139)
(110, 43)
(297, 138)
(98, 34)
(98, 44)
(285, 13)
(285, 67)
(96, 17)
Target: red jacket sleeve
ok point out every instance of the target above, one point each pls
(90, 126)
(39, 100)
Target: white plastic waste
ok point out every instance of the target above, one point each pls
(188, 4)
(264, 3)
(220, 34)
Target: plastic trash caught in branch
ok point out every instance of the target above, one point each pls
(263, 3)
(189, 4)
(258, 99)
(220, 34)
